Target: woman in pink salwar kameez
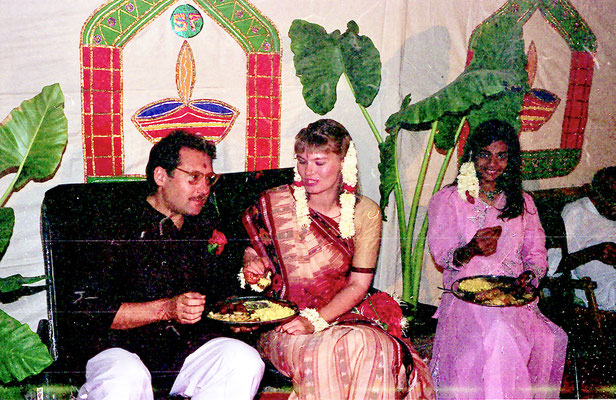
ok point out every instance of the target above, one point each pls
(491, 352)
(318, 241)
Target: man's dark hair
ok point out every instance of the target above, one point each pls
(166, 153)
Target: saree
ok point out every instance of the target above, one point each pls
(354, 358)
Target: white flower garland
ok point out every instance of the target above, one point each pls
(347, 198)
(467, 180)
(313, 316)
(301, 200)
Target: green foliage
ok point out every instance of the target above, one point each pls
(33, 137)
(22, 353)
(321, 58)
(7, 222)
(15, 282)
(388, 169)
(445, 137)
(470, 89)
(362, 64)
(32, 141)
(492, 85)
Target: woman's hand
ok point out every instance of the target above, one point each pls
(485, 240)
(484, 243)
(254, 266)
(297, 326)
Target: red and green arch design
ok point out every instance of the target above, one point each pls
(116, 22)
(565, 19)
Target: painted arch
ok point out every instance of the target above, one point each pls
(103, 38)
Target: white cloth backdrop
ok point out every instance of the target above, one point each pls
(423, 47)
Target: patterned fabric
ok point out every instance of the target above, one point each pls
(354, 358)
(492, 352)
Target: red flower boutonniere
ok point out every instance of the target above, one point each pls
(216, 243)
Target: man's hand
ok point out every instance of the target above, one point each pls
(185, 308)
(606, 253)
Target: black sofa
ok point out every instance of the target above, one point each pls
(77, 221)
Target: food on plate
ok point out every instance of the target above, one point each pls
(252, 311)
(494, 291)
(475, 285)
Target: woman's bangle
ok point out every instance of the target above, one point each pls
(313, 316)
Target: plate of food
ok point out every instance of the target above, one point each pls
(253, 310)
(495, 290)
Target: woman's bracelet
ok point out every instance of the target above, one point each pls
(313, 316)
(456, 258)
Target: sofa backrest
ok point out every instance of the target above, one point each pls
(78, 220)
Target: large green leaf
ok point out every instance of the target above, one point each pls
(22, 354)
(33, 137)
(317, 62)
(15, 282)
(495, 79)
(387, 169)
(7, 222)
(321, 58)
(362, 64)
(471, 88)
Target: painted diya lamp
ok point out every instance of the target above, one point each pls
(211, 119)
(538, 107)
(539, 104)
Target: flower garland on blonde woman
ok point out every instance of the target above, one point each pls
(347, 197)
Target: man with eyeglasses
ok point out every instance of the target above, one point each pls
(590, 223)
(154, 290)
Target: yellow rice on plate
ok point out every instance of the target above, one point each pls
(475, 285)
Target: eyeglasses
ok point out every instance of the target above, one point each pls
(195, 177)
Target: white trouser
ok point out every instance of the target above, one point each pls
(221, 369)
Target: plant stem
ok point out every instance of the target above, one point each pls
(418, 254)
(9, 190)
(375, 131)
(373, 128)
(407, 266)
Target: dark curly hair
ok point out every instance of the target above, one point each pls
(510, 181)
(166, 153)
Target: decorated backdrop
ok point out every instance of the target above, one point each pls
(132, 70)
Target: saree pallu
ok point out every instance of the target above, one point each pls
(352, 359)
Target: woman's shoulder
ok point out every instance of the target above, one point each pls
(445, 194)
(368, 206)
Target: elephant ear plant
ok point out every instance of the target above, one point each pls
(32, 141)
